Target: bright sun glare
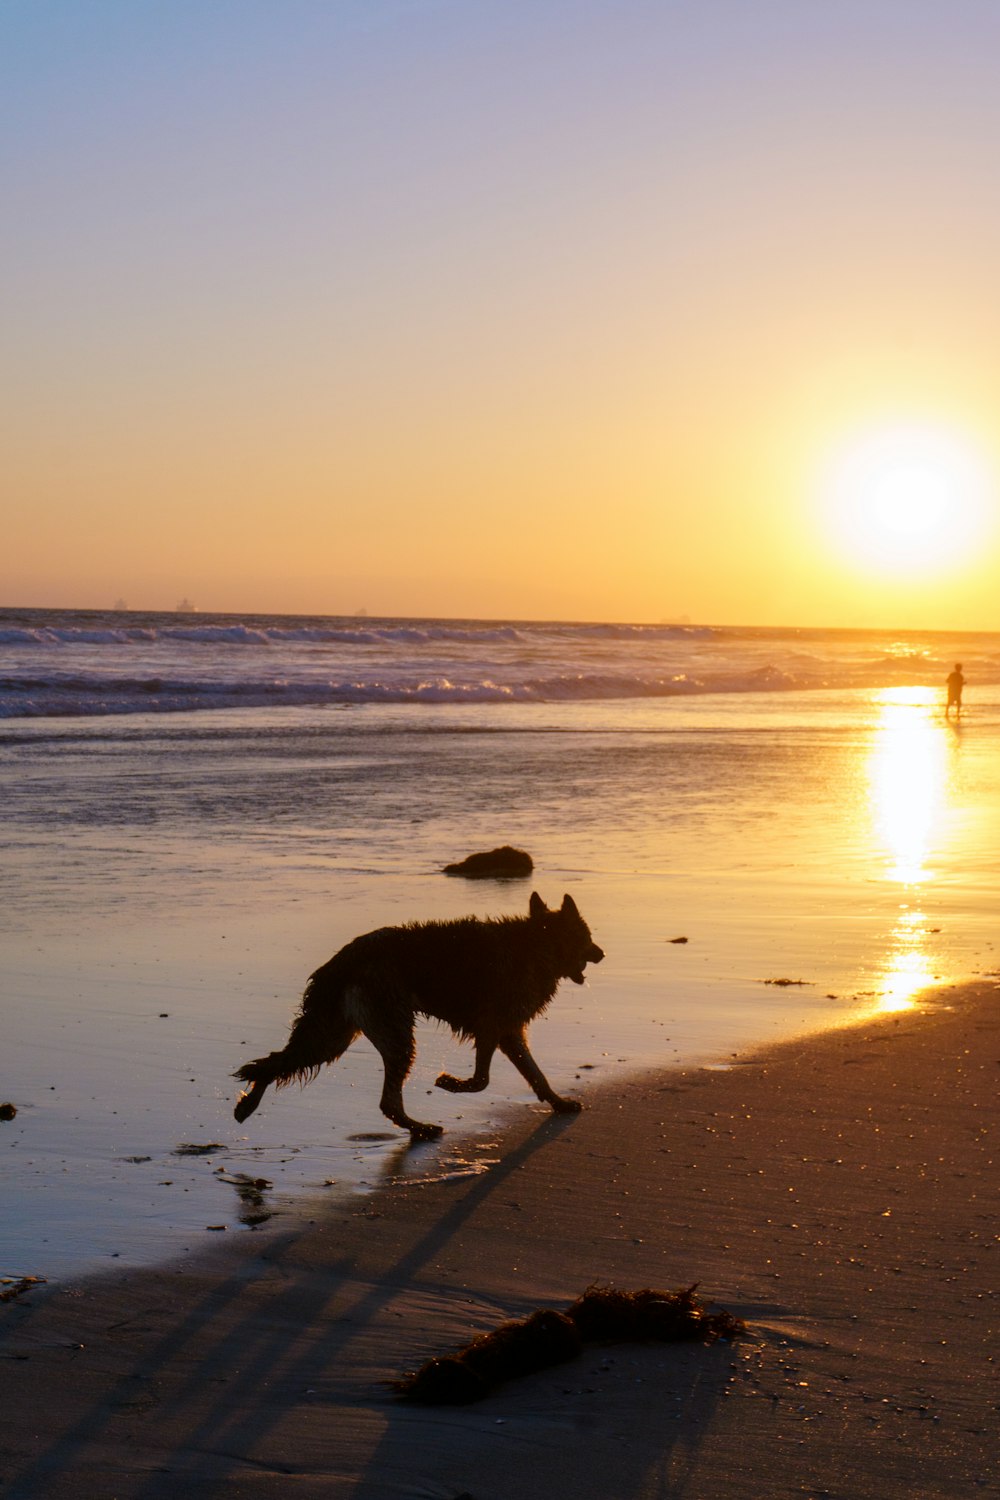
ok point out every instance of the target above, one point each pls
(908, 499)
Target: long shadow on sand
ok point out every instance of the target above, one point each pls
(228, 1391)
(577, 1429)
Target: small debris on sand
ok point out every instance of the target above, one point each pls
(7, 1111)
(677, 940)
(783, 982)
(505, 863)
(188, 1148)
(549, 1337)
(250, 1191)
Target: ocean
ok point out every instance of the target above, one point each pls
(198, 810)
(86, 664)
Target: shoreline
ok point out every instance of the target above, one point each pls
(122, 1047)
(836, 1192)
(169, 889)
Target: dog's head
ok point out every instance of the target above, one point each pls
(568, 934)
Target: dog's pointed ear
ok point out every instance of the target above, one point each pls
(569, 907)
(537, 907)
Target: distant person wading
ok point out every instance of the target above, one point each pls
(956, 682)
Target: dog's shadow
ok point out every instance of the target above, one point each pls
(231, 1364)
(424, 1448)
(232, 1375)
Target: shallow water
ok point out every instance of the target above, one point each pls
(169, 882)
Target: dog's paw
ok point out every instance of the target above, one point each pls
(566, 1106)
(247, 1103)
(449, 1082)
(421, 1132)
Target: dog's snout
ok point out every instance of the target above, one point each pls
(595, 955)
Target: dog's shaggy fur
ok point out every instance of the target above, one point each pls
(484, 979)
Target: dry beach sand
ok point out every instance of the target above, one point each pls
(839, 1193)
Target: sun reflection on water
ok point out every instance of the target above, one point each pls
(908, 785)
(907, 969)
(908, 775)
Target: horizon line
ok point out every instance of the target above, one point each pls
(676, 623)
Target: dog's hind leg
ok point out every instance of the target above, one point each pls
(393, 1039)
(481, 1076)
(515, 1046)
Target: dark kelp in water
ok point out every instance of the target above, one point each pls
(549, 1337)
(505, 863)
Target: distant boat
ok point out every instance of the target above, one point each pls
(120, 604)
(186, 608)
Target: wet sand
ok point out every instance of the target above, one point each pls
(839, 1193)
(169, 882)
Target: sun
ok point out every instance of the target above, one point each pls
(907, 499)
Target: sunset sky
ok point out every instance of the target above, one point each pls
(630, 309)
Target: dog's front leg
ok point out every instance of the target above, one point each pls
(516, 1048)
(479, 1079)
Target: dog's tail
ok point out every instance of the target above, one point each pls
(320, 1033)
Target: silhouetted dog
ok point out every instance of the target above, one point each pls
(485, 979)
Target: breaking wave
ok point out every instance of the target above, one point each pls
(75, 697)
(82, 664)
(388, 634)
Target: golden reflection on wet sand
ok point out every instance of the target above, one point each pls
(909, 789)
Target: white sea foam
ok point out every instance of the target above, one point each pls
(81, 665)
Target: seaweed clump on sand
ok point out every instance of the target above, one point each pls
(605, 1314)
(516, 1348)
(548, 1337)
(505, 863)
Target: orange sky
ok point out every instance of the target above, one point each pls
(561, 310)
